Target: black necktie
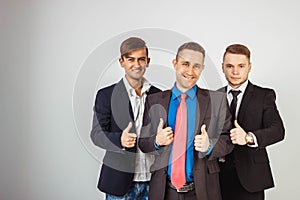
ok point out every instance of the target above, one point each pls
(234, 103)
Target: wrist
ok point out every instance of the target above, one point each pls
(156, 142)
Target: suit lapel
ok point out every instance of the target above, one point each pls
(121, 106)
(166, 96)
(202, 106)
(245, 102)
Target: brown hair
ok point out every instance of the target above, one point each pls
(237, 49)
(131, 44)
(191, 46)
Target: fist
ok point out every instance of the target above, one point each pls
(164, 136)
(128, 139)
(201, 142)
(238, 135)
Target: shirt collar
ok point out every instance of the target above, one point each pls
(191, 93)
(242, 88)
(131, 91)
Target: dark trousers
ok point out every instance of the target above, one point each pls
(232, 189)
(172, 194)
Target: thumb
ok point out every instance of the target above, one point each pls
(236, 124)
(128, 128)
(160, 125)
(203, 131)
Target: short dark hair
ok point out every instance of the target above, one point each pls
(237, 49)
(191, 46)
(131, 44)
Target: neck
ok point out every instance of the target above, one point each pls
(136, 85)
(182, 89)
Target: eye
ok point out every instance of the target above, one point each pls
(242, 66)
(197, 66)
(142, 59)
(130, 59)
(229, 66)
(186, 64)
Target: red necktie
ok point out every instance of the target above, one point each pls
(178, 178)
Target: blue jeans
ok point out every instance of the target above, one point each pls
(138, 191)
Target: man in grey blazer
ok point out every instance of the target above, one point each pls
(208, 125)
(246, 172)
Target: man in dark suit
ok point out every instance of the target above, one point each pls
(189, 127)
(246, 172)
(118, 115)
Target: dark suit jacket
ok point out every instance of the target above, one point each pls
(112, 113)
(257, 114)
(212, 110)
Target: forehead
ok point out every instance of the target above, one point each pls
(191, 56)
(235, 58)
(136, 53)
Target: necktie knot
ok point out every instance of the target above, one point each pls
(183, 96)
(235, 93)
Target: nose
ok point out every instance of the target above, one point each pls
(235, 70)
(136, 62)
(189, 69)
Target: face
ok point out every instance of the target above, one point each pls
(188, 67)
(236, 68)
(135, 64)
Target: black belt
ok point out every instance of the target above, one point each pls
(185, 188)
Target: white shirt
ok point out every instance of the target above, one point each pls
(143, 161)
(242, 88)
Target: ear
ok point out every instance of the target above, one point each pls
(250, 66)
(223, 67)
(148, 61)
(121, 60)
(174, 62)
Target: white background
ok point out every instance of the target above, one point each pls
(43, 45)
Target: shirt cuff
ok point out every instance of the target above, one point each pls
(254, 139)
(157, 147)
(210, 148)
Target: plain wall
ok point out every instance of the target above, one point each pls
(46, 45)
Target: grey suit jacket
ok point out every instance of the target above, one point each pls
(212, 110)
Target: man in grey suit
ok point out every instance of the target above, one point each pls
(207, 128)
(246, 173)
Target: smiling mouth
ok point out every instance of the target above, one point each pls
(138, 69)
(188, 77)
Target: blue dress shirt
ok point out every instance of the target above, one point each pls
(191, 102)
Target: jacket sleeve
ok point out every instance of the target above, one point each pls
(272, 129)
(148, 132)
(221, 141)
(101, 133)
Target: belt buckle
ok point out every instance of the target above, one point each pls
(182, 189)
(186, 188)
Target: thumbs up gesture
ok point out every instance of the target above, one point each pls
(237, 134)
(128, 139)
(164, 136)
(201, 142)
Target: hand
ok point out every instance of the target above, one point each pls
(164, 136)
(128, 139)
(238, 135)
(201, 142)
